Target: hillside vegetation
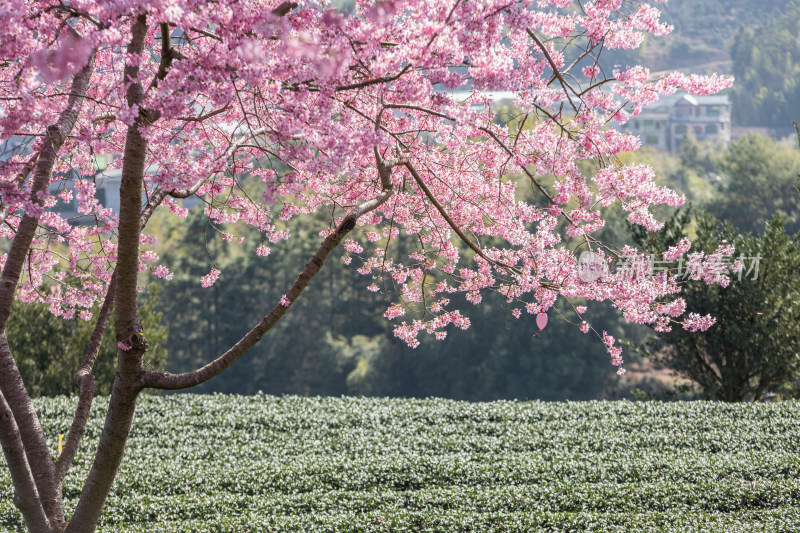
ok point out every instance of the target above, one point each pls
(754, 41)
(715, 21)
(262, 463)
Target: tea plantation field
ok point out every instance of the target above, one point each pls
(261, 463)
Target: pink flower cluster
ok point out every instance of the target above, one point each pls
(210, 278)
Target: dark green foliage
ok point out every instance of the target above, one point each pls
(260, 463)
(295, 356)
(335, 340)
(759, 176)
(499, 357)
(766, 64)
(714, 21)
(49, 349)
(754, 348)
(702, 158)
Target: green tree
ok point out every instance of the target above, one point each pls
(766, 64)
(754, 349)
(759, 176)
(36, 335)
(498, 357)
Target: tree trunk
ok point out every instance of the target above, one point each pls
(127, 382)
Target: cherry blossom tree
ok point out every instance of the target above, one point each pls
(382, 116)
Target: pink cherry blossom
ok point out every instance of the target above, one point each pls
(210, 278)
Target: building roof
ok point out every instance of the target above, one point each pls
(712, 99)
(665, 103)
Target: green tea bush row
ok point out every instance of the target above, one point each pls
(261, 463)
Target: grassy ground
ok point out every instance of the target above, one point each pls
(225, 463)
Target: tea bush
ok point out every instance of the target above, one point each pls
(216, 463)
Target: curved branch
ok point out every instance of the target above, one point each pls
(87, 387)
(420, 109)
(376, 81)
(557, 73)
(185, 193)
(461, 235)
(86, 383)
(69, 10)
(170, 381)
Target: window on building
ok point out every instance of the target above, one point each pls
(712, 111)
(652, 140)
(697, 111)
(647, 124)
(711, 129)
(680, 129)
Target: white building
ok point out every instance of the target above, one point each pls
(665, 124)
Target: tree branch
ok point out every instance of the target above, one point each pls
(284, 9)
(166, 57)
(367, 83)
(461, 235)
(26, 497)
(185, 193)
(170, 381)
(11, 385)
(77, 13)
(83, 379)
(208, 115)
(19, 179)
(87, 385)
(564, 85)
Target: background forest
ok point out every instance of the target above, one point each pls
(335, 340)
